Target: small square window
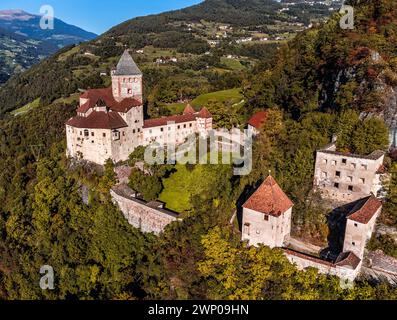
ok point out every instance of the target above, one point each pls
(266, 217)
(162, 129)
(325, 161)
(92, 134)
(337, 174)
(344, 161)
(356, 225)
(336, 185)
(179, 127)
(353, 243)
(133, 131)
(334, 163)
(190, 125)
(354, 166)
(362, 180)
(324, 174)
(104, 135)
(350, 178)
(184, 126)
(350, 188)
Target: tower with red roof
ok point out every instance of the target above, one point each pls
(267, 215)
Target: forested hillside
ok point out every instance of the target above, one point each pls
(317, 85)
(184, 33)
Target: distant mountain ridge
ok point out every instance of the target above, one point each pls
(23, 23)
(23, 43)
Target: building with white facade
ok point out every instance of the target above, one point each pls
(110, 122)
(267, 215)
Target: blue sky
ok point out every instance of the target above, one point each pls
(98, 15)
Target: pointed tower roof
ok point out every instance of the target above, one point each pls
(127, 66)
(189, 109)
(204, 113)
(269, 198)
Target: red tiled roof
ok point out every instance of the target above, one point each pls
(348, 259)
(258, 119)
(204, 113)
(189, 109)
(365, 209)
(269, 199)
(159, 122)
(98, 120)
(105, 94)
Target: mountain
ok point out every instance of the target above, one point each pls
(28, 25)
(23, 43)
(58, 212)
(18, 53)
(186, 31)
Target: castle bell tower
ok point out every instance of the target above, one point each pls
(127, 79)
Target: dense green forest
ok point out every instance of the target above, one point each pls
(96, 254)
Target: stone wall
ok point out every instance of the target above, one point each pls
(148, 217)
(303, 261)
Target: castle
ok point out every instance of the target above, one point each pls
(110, 122)
(267, 220)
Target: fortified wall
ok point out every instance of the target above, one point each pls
(347, 266)
(149, 217)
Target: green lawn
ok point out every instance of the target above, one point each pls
(233, 94)
(232, 64)
(26, 108)
(176, 108)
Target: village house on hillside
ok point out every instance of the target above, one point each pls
(110, 122)
(256, 122)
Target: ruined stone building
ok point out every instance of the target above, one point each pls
(267, 216)
(110, 122)
(347, 177)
